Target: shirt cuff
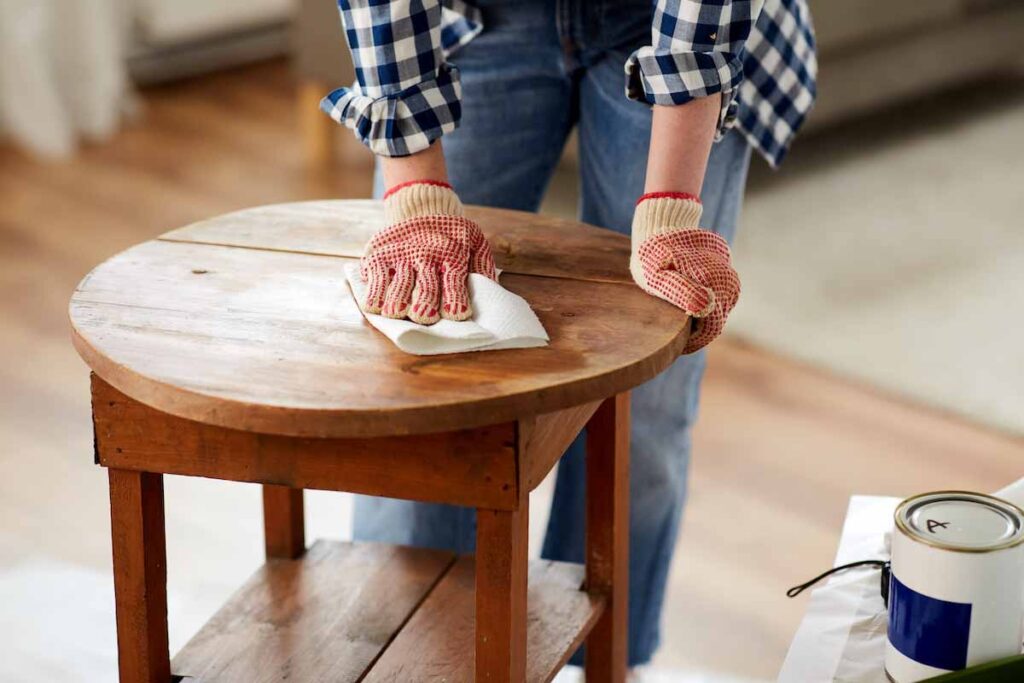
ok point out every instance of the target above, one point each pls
(460, 23)
(402, 123)
(658, 76)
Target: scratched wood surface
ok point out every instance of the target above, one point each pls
(437, 643)
(522, 242)
(373, 613)
(269, 339)
(325, 617)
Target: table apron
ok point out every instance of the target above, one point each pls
(475, 467)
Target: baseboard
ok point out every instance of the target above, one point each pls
(154, 64)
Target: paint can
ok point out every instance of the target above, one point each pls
(956, 592)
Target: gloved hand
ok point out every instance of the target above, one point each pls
(418, 266)
(690, 268)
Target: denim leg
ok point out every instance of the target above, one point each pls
(614, 137)
(517, 108)
(517, 112)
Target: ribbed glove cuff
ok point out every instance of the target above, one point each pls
(660, 212)
(656, 214)
(420, 198)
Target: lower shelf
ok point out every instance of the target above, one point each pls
(373, 612)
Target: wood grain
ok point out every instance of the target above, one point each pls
(469, 467)
(607, 547)
(284, 524)
(326, 617)
(502, 537)
(523, 243)
(140, 575)
(272, 342)
(547, 436)
(437, 643)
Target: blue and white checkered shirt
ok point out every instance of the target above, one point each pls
(761, 60)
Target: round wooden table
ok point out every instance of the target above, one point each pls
(232, 349)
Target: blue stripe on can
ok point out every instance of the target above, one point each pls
(928, 630)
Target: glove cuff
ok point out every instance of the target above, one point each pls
(660, 212)
(420, 198)
(657, 213)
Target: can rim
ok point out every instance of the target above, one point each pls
(901, 524)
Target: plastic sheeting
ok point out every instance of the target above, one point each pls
(842, 635)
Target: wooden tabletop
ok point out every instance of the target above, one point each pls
(245, 321)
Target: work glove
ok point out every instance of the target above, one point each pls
(690, 268)
(418, 266)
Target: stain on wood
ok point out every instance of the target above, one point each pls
(501, 577)
(607, 546)
(547, 436)
(284, 524)
(474, 467)
(523, 243)
(233, 349)
(140, 575)
(325, 617)
(271, 341)
(438, 642)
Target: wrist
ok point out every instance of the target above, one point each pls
(427, 164)
(415, 198)
(684, 196)
(410, 183)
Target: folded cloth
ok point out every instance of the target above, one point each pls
(501, 320)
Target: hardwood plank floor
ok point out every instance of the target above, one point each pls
(778, 450)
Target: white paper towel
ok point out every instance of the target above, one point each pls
(501, 320)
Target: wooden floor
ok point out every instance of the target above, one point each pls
(778, 450)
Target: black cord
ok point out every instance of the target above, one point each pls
(797, 590)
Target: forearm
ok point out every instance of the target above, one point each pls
(672, 257)
(426, 165)
(681, 138)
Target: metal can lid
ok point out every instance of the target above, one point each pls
(961, 521)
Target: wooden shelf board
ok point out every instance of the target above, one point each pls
(438, 642)
(325, 616)
(408, 613)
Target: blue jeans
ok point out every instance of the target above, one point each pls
(523, 91)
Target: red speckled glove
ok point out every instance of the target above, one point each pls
(690, 268)
(418, 266)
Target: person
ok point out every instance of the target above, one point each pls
(705, 83)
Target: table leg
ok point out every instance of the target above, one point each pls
(501, 581)
(608, 537)
(284, 526)
(140, 575)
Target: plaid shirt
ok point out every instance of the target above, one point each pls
(761, 60)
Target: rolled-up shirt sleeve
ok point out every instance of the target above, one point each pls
(405, 95)
(696, 50)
